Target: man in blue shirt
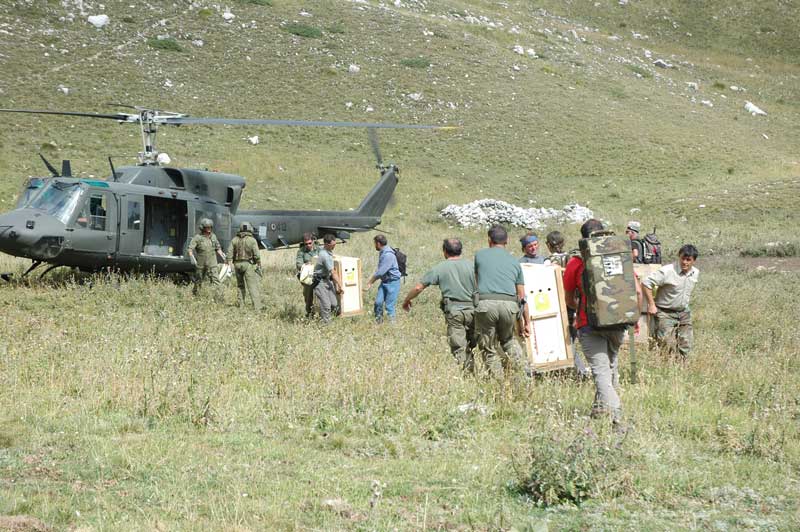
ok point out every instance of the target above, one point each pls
(389, 274)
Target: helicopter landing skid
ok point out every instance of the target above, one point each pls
(33, 266)
(48, 270)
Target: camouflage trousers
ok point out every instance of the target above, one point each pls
(308, 298)
(249, 282)
(495, 322)
(205, 275)
(674, 333)
(461, 336)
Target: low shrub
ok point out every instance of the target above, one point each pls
(415, 62)
(556, 472)
(169, 44)
(303, 30)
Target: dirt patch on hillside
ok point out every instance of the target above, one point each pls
(21, 523)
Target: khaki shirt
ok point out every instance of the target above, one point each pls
(455, 278)
(674, 287)
(205, 249)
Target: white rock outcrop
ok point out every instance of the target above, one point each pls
(487, 212)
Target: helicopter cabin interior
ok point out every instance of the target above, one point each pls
(165, 227)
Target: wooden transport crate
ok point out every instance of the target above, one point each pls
(351, 302)
(548, 346)
(642, 271)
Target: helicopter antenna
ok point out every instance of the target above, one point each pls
(113, 171)
(49, 166)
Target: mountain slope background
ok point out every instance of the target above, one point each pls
(128, 404)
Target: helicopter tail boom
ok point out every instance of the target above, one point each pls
(380, 195)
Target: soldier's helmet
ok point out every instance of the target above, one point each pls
(206, 222)
(246, 227)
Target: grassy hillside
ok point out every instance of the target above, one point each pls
(127, 404)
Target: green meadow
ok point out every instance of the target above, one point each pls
(128, 404)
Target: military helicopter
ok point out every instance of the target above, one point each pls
(142, 217)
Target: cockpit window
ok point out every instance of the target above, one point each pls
(58, 199)
(32, 187)
(94, 212)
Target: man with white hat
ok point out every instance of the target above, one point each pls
(632, 230)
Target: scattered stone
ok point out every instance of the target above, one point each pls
(63, 89)
(518, 49)
(253, 140)
(337, 506)
(354, 69)
(98, 21)
(660, 63)
(415, 96)
(198, 42)
(707, 103)
(472, 407)
(765, 136)
(228, 16)
(693, 85)
(487, 212)
(163, 158)
(753, 109)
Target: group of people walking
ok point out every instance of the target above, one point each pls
(483, 300)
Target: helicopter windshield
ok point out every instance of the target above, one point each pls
(58, 199)
(31, 188)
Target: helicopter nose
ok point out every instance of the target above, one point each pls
(31, 234)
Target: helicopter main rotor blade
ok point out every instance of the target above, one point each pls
(119, 116)
(267, 122)
(373, 141)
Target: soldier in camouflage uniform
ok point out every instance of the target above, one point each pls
(675, 283)
(203, 251)
(456, 280)
(501, 288)
(307, 254)
(243, 253)
(600, 345)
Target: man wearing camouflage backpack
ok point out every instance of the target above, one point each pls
(612, 302)
(243, 252)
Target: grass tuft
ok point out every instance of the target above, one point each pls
(169, 44)
(415, 62)
(641, 71)
(303, 30)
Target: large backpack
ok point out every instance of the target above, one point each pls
(651, 249)
(608, 282)
(402, 261)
